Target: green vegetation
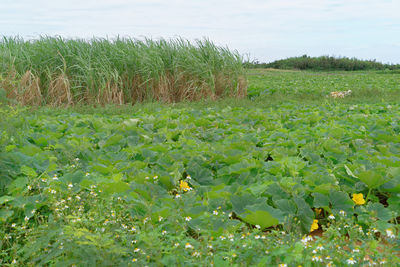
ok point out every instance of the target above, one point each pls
(55, 71)
(324, 63)
(289, 176)
(315, 86)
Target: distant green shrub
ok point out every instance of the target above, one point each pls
(324, 63)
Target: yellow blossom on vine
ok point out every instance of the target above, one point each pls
(184, 186)
(358, 199)
(314, 225)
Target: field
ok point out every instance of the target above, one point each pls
(288, 176)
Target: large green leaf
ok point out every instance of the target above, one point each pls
(371, 178)
(341, 201)
(260, 217)
(5, 199)
(320, 200)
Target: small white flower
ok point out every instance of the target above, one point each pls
(55, 177)
(177, 196)
(356, 250)
(230, 215)
(215, 212)
(13, 225)
(164, 232)
(160, 218)
(282, 265)
(176, 245)
(26, 218)
(29, 187)
(209, 246)
(73, 165)
(76, 159)
(196, 254)
(136, 250)
(70, 185)
(222, 237)
(342, 212)
(320, 247)
(316, 258)
(188, 218)
(257, 237)
(187, 246)
(78, 197)
(331, 217)
(350, 261)
(14, 261)
(389, 233)
(188, 177)
(133, 229)
(87, 174)
(258, 227)
(147, 178)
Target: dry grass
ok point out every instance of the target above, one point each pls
(26, 91)
(59, 92)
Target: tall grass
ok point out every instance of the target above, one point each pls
(57, 71)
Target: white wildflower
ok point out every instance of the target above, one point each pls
(350, 261)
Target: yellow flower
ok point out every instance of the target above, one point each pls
(358, 199)
(314, 225)
(184, 186)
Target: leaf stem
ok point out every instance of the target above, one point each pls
(369, 192)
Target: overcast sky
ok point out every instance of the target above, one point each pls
(266, 30)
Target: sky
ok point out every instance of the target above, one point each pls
(260, 30)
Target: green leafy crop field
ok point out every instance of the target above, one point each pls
(296, 85)
(288, 177)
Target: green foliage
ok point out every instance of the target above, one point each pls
(314, 86)
(324, 63)
(101, 187)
